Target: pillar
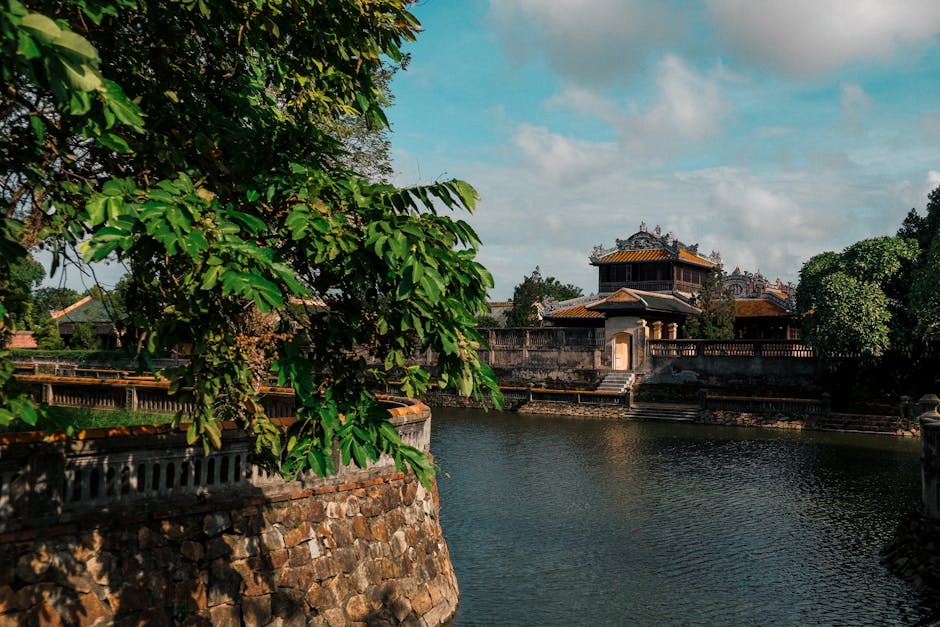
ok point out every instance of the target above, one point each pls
(672, 331)
(930, 458)
(657, 333)
(645, 330)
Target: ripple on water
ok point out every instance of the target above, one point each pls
(563, 521)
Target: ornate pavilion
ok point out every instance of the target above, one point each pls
(646, 284)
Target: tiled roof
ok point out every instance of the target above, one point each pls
(87, 309)
(693, 258)
(757, 308)
(626, 299)
(579, 311)
(22, 339)
(621, 256)
(76, 305)
(635, 255)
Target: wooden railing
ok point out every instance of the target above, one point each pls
(729, 348)
(650, 286)
(515, 395)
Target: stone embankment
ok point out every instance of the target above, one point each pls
(574, 409)
(914, 555)
(132, 526)
(370, 552)
(887, 425)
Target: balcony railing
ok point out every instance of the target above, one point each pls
(729, 348)
(650, 286)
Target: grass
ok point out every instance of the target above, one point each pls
(62, 418)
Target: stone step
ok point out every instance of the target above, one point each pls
(664, 412)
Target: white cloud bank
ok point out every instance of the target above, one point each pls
(806, 37)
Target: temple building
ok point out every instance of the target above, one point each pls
(646, 288)
(763, 310)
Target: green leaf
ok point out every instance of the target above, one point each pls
(42, 25)
(114, 142)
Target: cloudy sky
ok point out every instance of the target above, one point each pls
(769, 131)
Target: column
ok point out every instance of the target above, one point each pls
(657, 333)
(672, 331)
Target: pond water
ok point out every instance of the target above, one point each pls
(566, 521)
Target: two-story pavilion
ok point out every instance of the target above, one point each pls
(653, 262)
(645, 285)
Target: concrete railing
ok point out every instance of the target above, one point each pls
(56, 480)
(729, 348)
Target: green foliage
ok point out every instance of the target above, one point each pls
(534, 289)
(49, 299)
(25, 274)
(224, 188)
(925, 294)
(47, 335)
(84, 336)
(487, 321)
(716, 320)
(850, 303)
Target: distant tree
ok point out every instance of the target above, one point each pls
(25, 275)
(48, 299)
(487, 321)
(925, 295)
(924, 228)
(534, 289)
(46, 334)
(84, 336)
(716, 320)
(849, 303)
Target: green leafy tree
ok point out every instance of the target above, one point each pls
(47, 335)
(199, 153)
(84, 336)
(925, 295)
(49, 299)
(536, 289)
(25, 275)
(716, 320)
(850, 303)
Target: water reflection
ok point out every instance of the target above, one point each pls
(563, 521)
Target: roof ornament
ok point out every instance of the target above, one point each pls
(658, 231)
(598, 252)
(643, 228)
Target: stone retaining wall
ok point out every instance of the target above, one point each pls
(574, 409)
(887, 425)
(132, 526)
(370, 552)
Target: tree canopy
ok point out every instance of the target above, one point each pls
(536, 289)
(716, 320)
(193, 142)
(852, 303)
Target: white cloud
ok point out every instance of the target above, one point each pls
(855, 105)
(585, 41)
(559, 158)
(804, 37)
(689, 106)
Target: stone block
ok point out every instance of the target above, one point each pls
(89, 610)
(342, 533)
(242, 546)
(379, 530)
(256, 611)
(215, 523)
(359, 608)
(226, 616)
(421, 602)
(276, 559)
(272, 540)
(320, 598)
(288, 603)
(217, 547)
(299, 533)
(192, 551)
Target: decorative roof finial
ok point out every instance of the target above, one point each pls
(643, 228)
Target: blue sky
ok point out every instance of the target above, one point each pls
(769, 131)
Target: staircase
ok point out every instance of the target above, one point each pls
(663, 412)
(617, 381)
